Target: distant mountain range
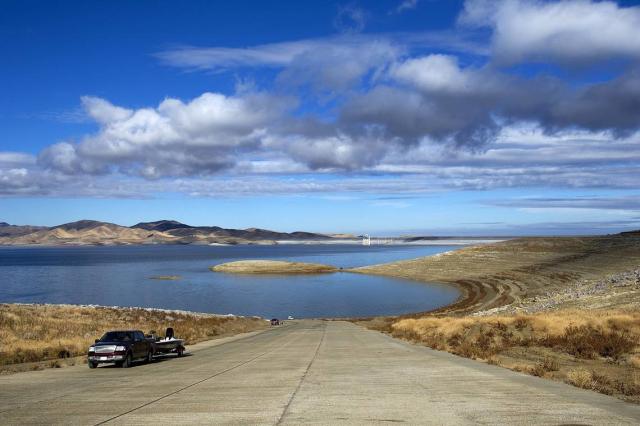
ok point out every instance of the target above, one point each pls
(91, 232)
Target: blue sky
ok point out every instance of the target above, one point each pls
(389, 117)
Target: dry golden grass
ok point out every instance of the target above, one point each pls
(598, 350)
(583, 334)
(30, 333)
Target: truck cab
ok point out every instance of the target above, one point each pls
(120, 347)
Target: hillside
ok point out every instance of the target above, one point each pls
(7, 230)
(495, 275)
(91, 232)
(88, 232)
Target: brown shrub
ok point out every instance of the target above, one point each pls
(580, 377)
(626, 388)
(588, 342)
(550, 364)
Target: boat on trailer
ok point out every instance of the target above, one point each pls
(169, 344)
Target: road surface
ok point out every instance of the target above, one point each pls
(320, 372)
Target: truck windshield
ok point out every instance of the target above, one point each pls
(116, 336)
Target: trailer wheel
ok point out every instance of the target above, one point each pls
(149, 357)
(180, 351)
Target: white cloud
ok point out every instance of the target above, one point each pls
(16, 159)
(176, 138)
(103, 111)
(406, 5)
(569, 31)
(433, 73)
(333, 63)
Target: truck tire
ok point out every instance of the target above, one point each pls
(149, 358)
(126, 363)
(92, 364)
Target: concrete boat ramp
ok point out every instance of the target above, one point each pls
(305, 372)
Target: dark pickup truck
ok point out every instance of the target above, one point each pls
(121, 348)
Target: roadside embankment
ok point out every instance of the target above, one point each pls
(560, 308)
(36, 333)
(596, 350)
(272, 267)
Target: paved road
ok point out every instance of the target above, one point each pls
(304, 372)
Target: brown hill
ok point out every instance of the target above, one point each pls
(88, 232)
(7, 230)
(161, 225)
(91, 232)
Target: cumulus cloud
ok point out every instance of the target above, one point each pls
(569, 31)
(336, 152)
(175, 138)
(435, 97)
(434, 73)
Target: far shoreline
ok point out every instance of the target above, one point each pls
(429, 241)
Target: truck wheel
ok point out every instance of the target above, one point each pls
(149, 357)
(127, 361)
(92, 364)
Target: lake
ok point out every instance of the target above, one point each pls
(120, 276)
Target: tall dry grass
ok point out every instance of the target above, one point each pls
(30, 333)
(608, 342)
(581, 333)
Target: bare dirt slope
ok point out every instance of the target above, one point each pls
(499, 274)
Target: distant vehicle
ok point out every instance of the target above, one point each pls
(275, 321)
(122, 348)
(290, 317)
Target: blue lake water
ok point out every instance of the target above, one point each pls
(120, 276)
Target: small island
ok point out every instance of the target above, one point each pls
(272, 267)
(166, 277)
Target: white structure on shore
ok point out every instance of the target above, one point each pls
(368, 241)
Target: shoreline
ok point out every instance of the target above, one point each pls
(492, 276)
(131, 308)
(436, 241)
